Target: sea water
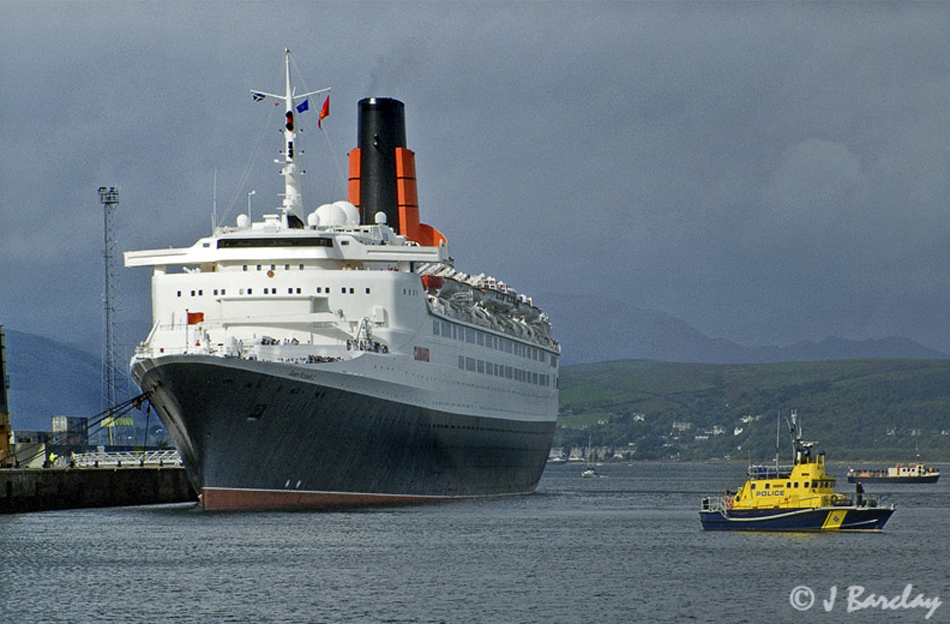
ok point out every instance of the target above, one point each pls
(624, 547)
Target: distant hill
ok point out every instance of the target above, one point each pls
(47, 379)
(603, 330)
(856, 409)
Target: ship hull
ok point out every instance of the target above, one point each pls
(924, 479)
(256, 435)
(793, 520)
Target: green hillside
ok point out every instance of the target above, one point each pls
(874, 409)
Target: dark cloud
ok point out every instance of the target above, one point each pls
(768, 172)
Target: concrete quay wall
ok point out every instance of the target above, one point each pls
(26, 490)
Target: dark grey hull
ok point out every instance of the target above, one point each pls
(250, 439)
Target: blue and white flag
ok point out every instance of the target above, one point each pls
(258, 97)
(305, 105)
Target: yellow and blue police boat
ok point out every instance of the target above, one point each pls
(800, 497)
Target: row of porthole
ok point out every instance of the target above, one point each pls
(505, 372)
(491, 341)
(273, 291)
(816, 484)
(273, 267)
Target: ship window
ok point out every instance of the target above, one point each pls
(796, 484)
(753, 486)
(179, 293)
(481, 366)
(461, 362)
(481, 339)
(250, 290)
(273, 266)
(806, 483)
(223, 292)
(258, 267)
(351, 291)
(301, 267)
(239, 243)
(470, 335)
(286, 267)
(435, 328)
(298, 291)
(343, 290)
(367, 291)
(789, 484)
(245, 267)
(469, 364)
(201, 292)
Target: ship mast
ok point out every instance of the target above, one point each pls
(293, 202)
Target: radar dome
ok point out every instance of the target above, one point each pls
(243, 221)
(380, 218)
(351, 212)
(331, 215)
(313, 220)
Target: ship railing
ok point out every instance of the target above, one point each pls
(717, 503)
(764, 471)
(118, 459)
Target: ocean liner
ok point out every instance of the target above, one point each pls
(335, 357)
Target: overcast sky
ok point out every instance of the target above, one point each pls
(767, 171)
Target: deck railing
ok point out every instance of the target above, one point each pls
(99, 459)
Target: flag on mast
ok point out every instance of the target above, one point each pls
(324, 112)
(303, 106)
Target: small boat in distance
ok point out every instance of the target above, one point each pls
(800, 497)
(590, 471)
(898, 473)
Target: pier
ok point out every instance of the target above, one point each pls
(43, 489)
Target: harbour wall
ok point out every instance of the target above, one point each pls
(26, 490)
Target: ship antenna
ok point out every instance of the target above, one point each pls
(293, 202)
(214, 204)
(778, 426)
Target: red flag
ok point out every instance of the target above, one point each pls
(324, 112)
(196, 317)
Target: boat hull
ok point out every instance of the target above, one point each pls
(923, 479)
(818, 519)
(255, 436)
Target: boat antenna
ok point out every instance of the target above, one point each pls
(293, 203)
(778, 443)
(214, 202)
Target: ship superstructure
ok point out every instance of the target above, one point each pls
(337, 357)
